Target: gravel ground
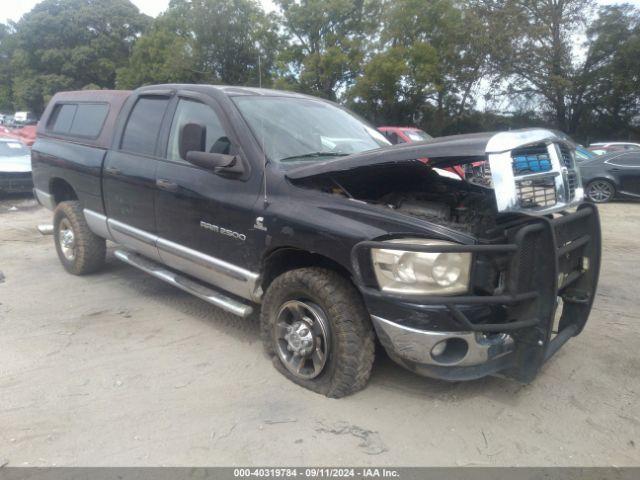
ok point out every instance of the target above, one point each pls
(121, 369)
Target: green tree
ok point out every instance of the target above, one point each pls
(432, 56)
(327, 40)
(6, 93)
(396, 84)
(606, 93)
(538, 52)
(213, 41)
(160, 56)
(70, 44)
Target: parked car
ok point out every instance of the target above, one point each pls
(6, 132)
(9, 122)
(582, 154)
(604, 150)
(398, 135)
(620, 145)
(288, 204)
(15, 167)
(25, 118)
(612, 175)
(26, 134)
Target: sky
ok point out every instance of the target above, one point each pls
(14, 9)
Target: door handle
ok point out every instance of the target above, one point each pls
(112, 171)
(616, 169)
(163, 184)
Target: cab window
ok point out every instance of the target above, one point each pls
(191, 111)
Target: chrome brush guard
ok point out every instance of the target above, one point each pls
(552, 189)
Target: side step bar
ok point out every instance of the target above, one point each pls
(45, 229)
(183, 283)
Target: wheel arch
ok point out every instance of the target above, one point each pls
(283, 259)
(608, 178)
(61, 190)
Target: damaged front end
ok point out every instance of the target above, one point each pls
(506, 299)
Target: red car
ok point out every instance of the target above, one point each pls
(602, 149)
(404, 134)
(26, 134)
(398, 135)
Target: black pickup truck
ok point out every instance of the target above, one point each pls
(259, 199)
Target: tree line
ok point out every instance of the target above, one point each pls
(448, 66)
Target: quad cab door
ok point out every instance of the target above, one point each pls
(205, 220)
(129, 174)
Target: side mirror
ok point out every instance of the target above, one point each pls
(193, 138)
(218, 162)
(192, 146)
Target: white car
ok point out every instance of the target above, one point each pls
(622, 145)
(15, 167)
(24, 118)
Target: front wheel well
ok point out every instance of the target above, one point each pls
(62, 191)
(284, 259)
(596, 179)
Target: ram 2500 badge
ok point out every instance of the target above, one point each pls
(290, 206)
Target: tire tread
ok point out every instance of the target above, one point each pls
(354, 345)
(91, 249)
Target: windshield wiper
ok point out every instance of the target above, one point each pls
(314, 155)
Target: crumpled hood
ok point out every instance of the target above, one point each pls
(15, 164)
(442, 151)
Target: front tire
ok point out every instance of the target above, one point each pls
(79, 249)
(600, 191)
(317, 331)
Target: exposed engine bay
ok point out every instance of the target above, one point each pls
(415, 189)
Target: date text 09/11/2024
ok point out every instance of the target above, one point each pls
(315, 473)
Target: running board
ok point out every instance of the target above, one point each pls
(184, 283)
(45, 229)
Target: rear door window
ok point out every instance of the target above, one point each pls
(142, 129)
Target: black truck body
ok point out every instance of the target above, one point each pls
(225, 222)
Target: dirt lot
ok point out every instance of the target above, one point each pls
(120, 369)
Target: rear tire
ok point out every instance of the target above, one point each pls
(79, 249)
(600, 191)
(334, 353)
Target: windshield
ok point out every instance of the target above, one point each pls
(417, 135)
(305, 130)
(12, 149)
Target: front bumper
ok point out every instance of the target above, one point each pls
(512, 332)
(20, 182)
(468, 355)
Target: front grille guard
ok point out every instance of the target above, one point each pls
(548, 187)
(531, 288)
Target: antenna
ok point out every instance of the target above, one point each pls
(264, 153)
(264, 165)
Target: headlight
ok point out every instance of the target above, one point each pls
(421, 273)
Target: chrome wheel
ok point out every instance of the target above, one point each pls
(600, 191)
(302, 338)
(67, 241)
